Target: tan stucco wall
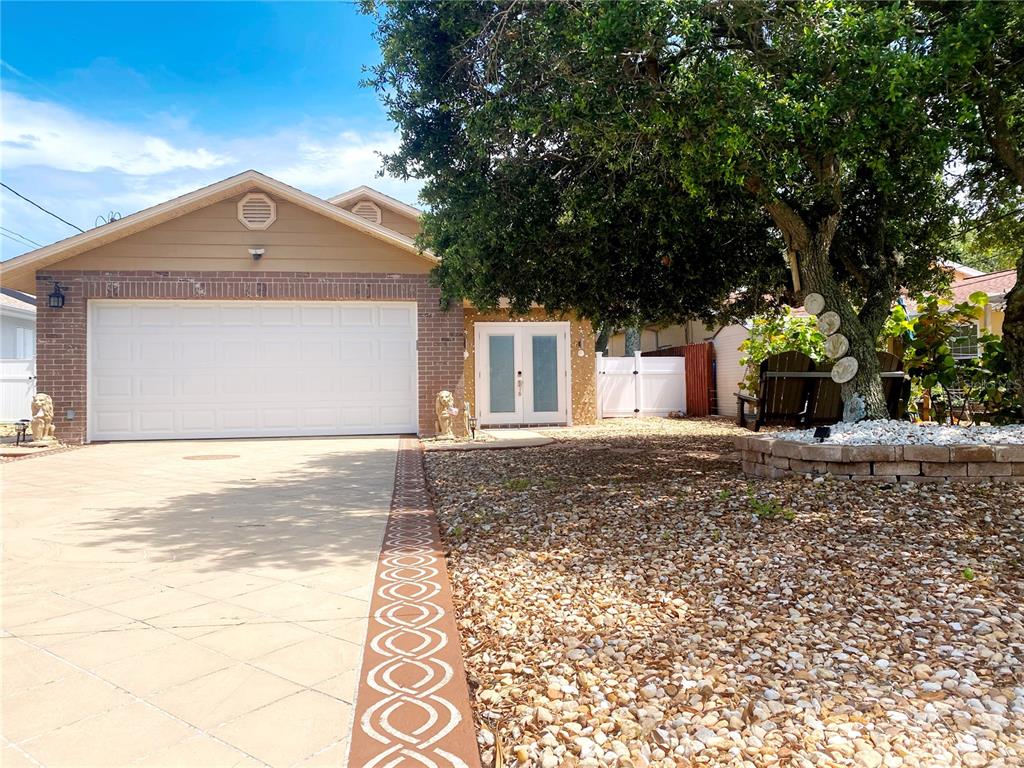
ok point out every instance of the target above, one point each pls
(583, 397)
(212, 239)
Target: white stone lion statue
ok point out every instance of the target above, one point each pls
(445, 411)
(42, 418)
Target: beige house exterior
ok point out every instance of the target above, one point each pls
(250, 308)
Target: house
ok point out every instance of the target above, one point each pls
(995, 285)
(249, 308)
(17, 354)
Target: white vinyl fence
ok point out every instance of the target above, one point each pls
(17, 388)
(640, 386)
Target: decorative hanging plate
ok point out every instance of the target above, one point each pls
(844, 370)
(814, 303)
(836, 345)
(828, 323)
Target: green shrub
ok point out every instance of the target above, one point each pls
(777, 333)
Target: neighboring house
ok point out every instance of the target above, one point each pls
(995, 285)
(17, 354)
(250, 308)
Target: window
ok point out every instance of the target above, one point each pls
(24, 343)
(964, 343)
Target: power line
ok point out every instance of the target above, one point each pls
(37, 205)
(26, 239)
(13, 239)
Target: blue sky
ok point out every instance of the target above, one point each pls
(119, 106)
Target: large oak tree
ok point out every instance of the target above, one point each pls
(648, 161)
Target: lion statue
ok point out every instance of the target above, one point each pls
(42, 418)
(445, 410)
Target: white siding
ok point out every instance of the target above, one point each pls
(728, 371)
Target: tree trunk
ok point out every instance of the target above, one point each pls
(601, 343)
(863, 397)
(1013, 328)
(632, 340)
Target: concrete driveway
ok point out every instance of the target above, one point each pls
(189, 603)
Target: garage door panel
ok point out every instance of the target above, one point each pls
(396, 351)
(154, 352)
(278, 351)
(397, 317)
(199, 385)
(357, 317)
(395, 416)
(238, 351)
(112, 316)
(239, 419)
(191, 316)
(114, 349)
(320, 317)
(193, 421)
(195, 352)
(320, 418)
(114, 386)
(237, 315)
(153, 422)
(318, 352)
(155, 316)
(238, 369)
(154, 386)
(113, 422)
(277, 315)
(357, 351)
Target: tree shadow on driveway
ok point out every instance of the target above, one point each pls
(329, 509)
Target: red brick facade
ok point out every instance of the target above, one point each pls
(61, 333)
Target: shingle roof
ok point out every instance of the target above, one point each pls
(17, 300)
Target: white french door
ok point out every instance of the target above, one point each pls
(522, 373)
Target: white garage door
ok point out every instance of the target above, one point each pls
(190, 369)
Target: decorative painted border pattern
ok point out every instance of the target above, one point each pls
(412, 706)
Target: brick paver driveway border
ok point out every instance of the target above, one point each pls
(412, 705)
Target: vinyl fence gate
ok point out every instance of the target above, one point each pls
(640, 386)
(17, 388)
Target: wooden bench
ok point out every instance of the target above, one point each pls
(794, 391)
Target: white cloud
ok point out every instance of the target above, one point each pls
(82, 168)
(44, 133)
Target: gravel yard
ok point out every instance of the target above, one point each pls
(626, 597)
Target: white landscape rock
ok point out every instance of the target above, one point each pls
(890, 432)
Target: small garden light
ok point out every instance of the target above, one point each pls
(56, 298)
(472, 427)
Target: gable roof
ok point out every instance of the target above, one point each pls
(368, 193)
(995, 285)
(21, 269)
(17, 303)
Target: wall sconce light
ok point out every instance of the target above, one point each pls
(56, 298)
(465, 345)
(257, 253)
(579, 348)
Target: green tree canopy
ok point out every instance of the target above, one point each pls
(649, 160)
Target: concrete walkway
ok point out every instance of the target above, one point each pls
(189, 603)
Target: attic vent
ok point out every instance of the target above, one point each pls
(367, 210)
(257, 211)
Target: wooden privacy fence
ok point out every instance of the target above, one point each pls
(700, 378)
